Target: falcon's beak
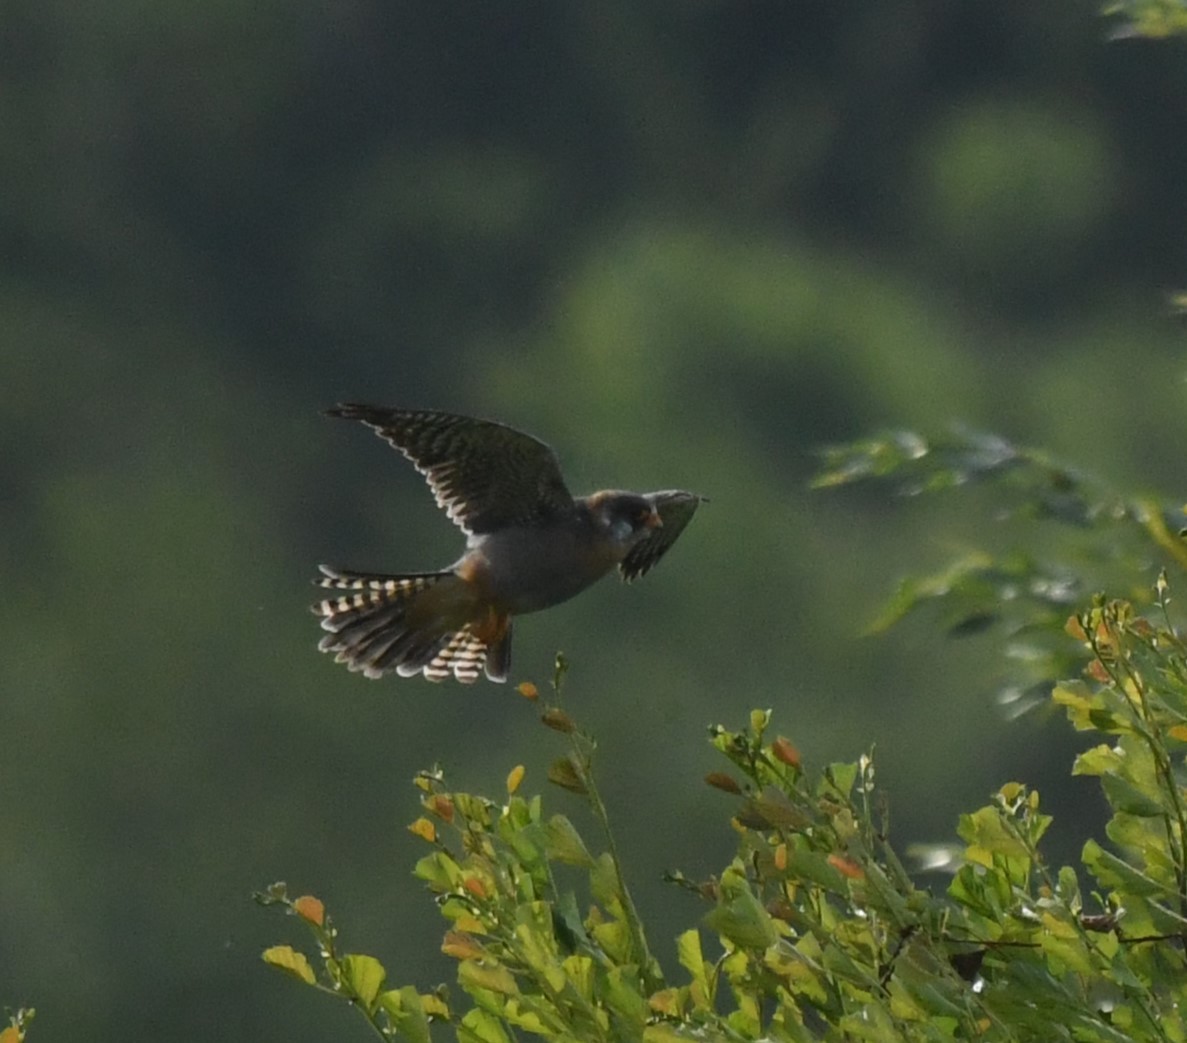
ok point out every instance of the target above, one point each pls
(653, 520)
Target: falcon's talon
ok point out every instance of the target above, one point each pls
(530, 545)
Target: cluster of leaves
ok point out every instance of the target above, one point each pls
(1106, 540)
(816, 930)
(527, 957)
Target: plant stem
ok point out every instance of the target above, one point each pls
(584, 747)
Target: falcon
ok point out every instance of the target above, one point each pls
(530, 544)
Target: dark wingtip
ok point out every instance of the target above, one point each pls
(348, 410)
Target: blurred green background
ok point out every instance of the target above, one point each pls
(686, 243)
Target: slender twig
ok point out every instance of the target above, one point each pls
(583, 747)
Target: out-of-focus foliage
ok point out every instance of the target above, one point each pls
(817, 931)
(1153, 18)
(1105, 540)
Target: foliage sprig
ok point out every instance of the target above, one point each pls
(816, 929)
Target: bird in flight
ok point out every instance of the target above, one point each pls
(530, 544)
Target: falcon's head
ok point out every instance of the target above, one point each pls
(628, 518)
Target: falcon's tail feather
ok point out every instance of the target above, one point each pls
(498, 654)
(419, 622)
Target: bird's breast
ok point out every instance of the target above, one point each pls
(527, 569)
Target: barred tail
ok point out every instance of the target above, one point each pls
(419, 623)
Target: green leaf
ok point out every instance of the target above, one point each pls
(1165, 919)
(982, 891)
(480, 1026)
(603, 881)
(568, 929)
(692, 959)
(527, 846)
(744, 921)
(914, 591)
(529, 1018)
(926, 986)
(1068, 888)
(614, 937)
(1103, 720)
(1125, 797)
(1079, 700)
(1064, 946)
(406, 1011)
(799, 968)
(665, 1032)
(439, 871)
(806, 864)
(987, 835)
(1116, 874)
(288, 959)
(841, 775)
(564, 773)
(489, 975)
(539, 929)
(476, 810)
(565, 843)
(1100, 760)
(364, 976)
(623, 995)
(579, 971)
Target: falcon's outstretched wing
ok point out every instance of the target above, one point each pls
(485, 475)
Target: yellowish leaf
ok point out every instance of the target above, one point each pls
(288, 959)
(469, 924)
(472, 974)
(424, 829)
(1011, 791)
(528, 690)
(514, 778)
(434, 1006)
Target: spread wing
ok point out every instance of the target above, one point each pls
(484, 475)
(676, 509)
